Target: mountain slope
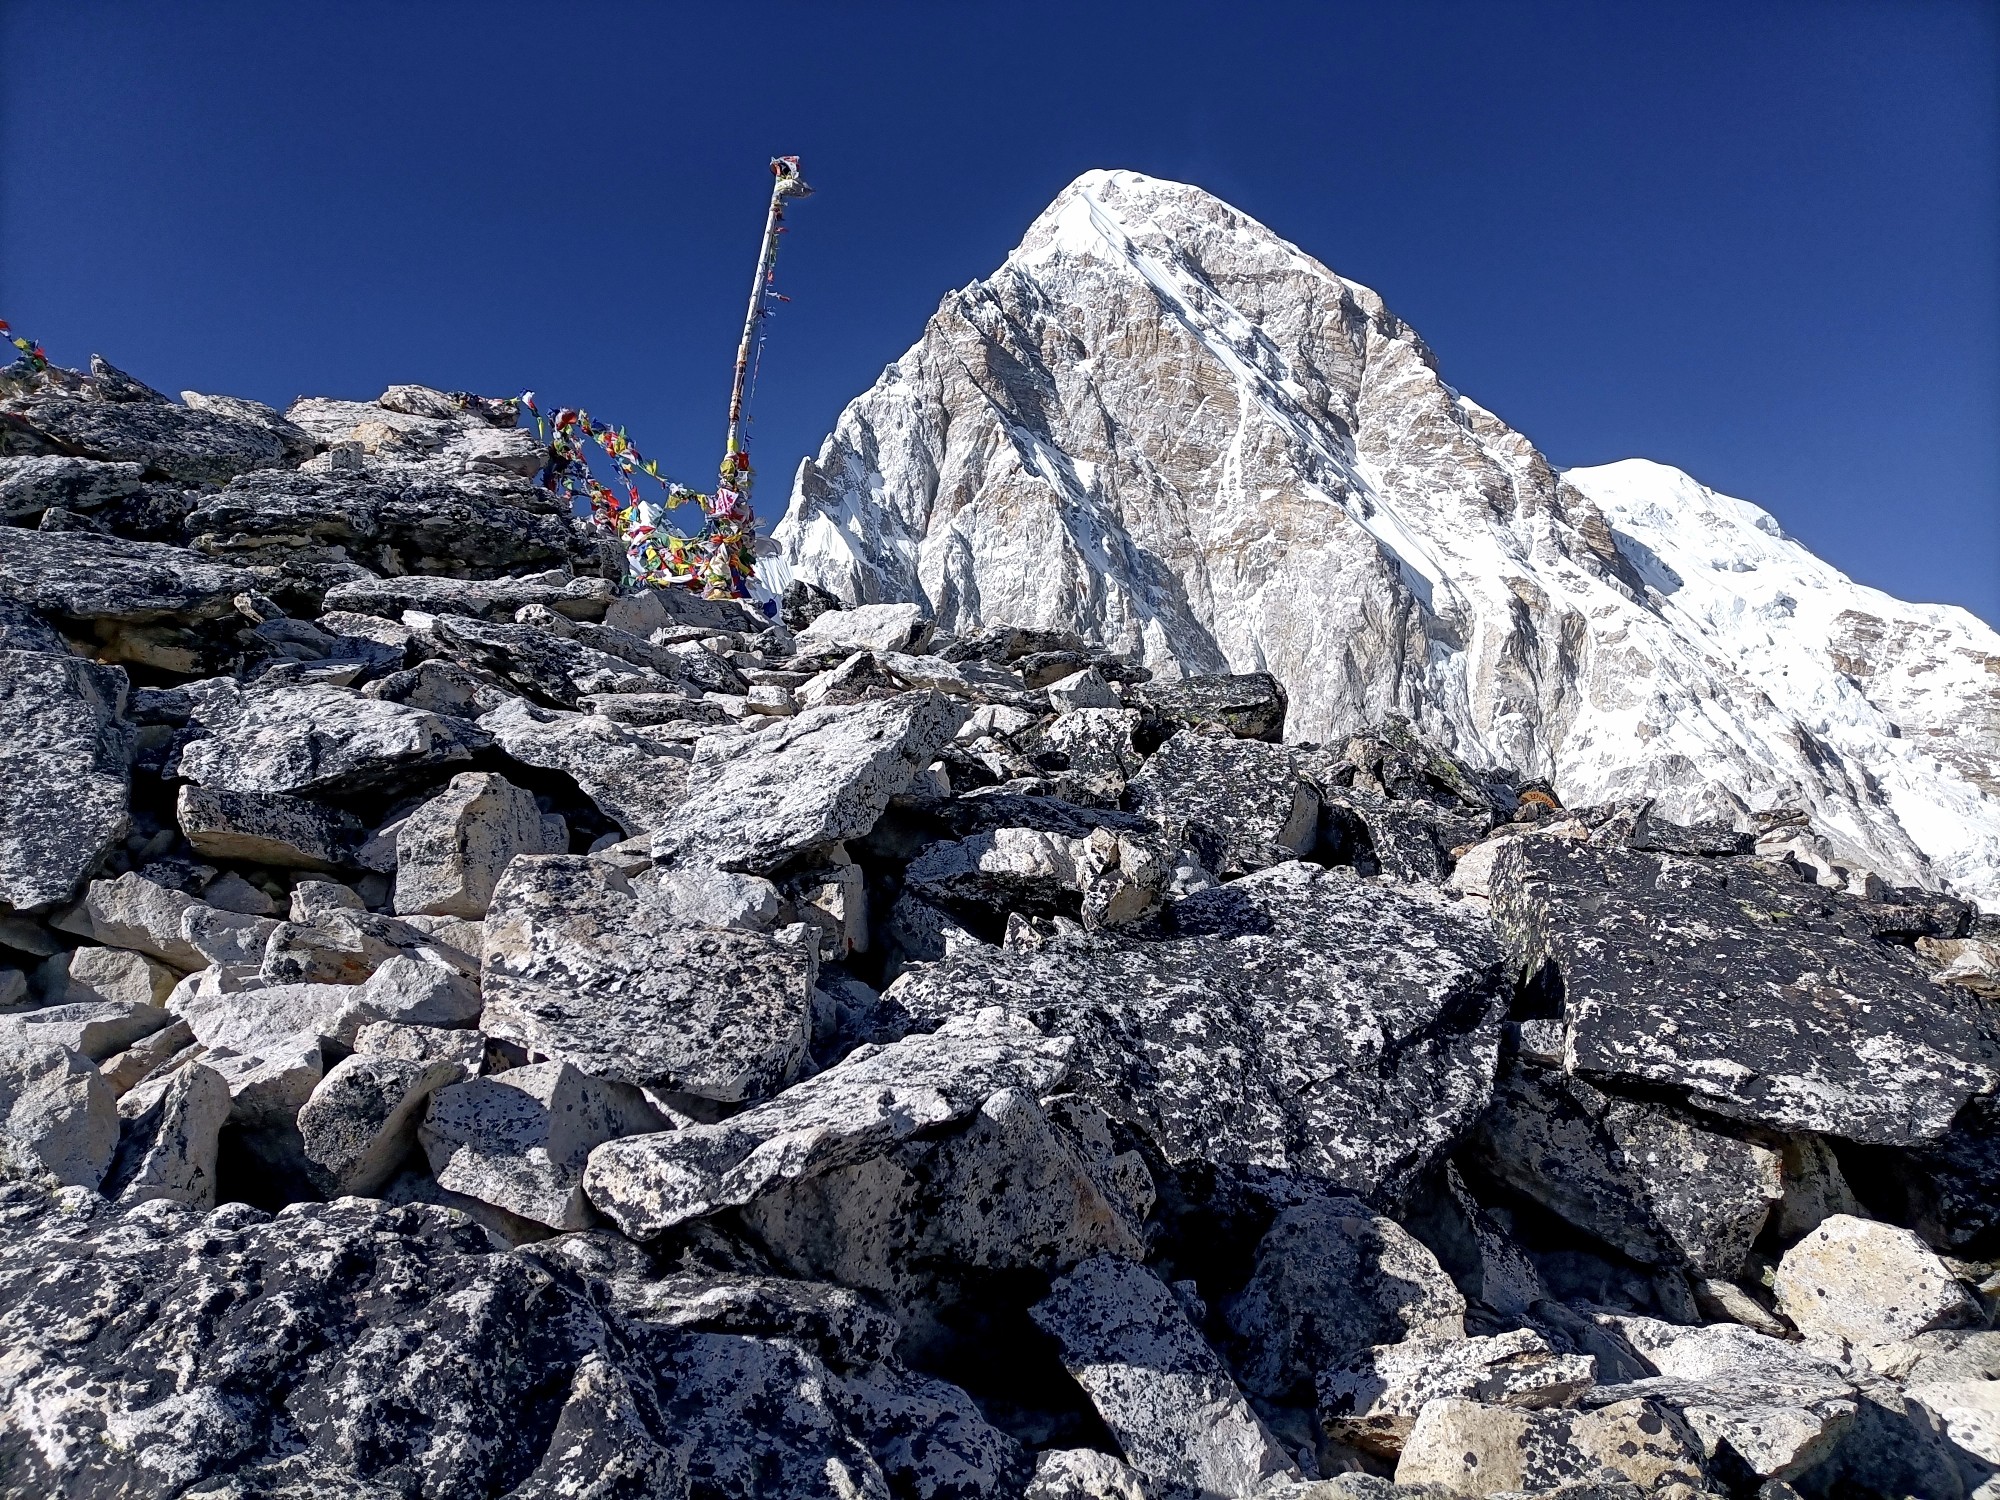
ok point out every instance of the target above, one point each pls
(1165, 427)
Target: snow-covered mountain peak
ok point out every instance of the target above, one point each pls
(1162, 425)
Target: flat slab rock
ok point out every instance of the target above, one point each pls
(65, 755)
(80, 575)
(1302, 1020)
(316, 741)
(173, 442)
(1766, 1000)
(579, 969)
(817, 779)
(854, 1111)
(635, 778)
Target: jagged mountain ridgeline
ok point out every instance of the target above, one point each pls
(1162, 426)
(1230, 935)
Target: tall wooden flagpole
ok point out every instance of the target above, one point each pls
(735, 463)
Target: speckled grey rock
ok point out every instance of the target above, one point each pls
(267, 828)
(1868, 1283)
(169, 1129)
(1243, 805)
(361, 1120)
(553, 669)
(853, 1112)
(57, 1113)
(406, 519)
(436, 1366)
(317, 741)
(481, 598)
(815, 780)
(1644, 1178)
(1371, 1399)
(1777, 1409)
(65, 756)
(83, 578)
(634, 778)
(1330, 1279)
(451, 852)
(1160, 1389)
(139, 914)
(1250, 706)
(30, 485)
(926, 1224)
(1301, 1020)
(579, 969)
(171, 442)
(520, 1139)
(1673, 972)
(1477, 1449)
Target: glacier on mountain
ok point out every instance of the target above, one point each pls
(1162, 426)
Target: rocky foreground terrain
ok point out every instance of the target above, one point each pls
(469, 1031)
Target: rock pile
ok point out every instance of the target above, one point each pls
(466, 1030)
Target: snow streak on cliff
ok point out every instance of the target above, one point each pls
(1162, 425)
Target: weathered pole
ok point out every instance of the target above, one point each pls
(788, 185)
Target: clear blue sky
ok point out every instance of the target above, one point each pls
(1758, 240)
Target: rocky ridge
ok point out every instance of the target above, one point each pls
(466, 1029)
(1164, 428)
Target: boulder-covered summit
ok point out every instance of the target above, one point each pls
(472, 1028)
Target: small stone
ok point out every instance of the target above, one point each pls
(266, 828)
(231, 892)
(1867, 1283)
(1085, 689)
(520, 1139)
(453, 850)
(57, 1113)
(361, 1120)
(423, 1044)
(168, 1138)
(1477, 1449)
(138, 914)
(117, 974)
(1159, 1388)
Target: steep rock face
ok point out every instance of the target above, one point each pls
(1161, 426)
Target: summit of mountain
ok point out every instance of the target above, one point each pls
(1164, 427)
